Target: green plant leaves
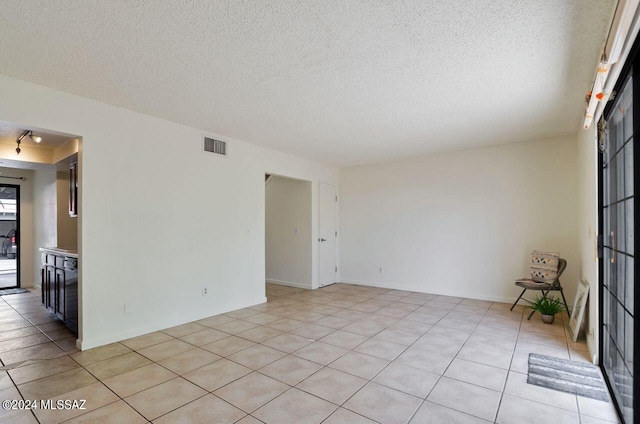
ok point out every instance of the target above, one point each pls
(547, 305)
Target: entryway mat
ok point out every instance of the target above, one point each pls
(12, 291)
(578, 378)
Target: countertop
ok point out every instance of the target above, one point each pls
(60, 251)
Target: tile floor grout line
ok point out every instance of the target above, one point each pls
(386, 366)
(439, 376)
(178, 407)
(367, 380)
(116, 394)
(36, 326)
(445, 370)
(495, 420)
(291, 353)
(517, 372)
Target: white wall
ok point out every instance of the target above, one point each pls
(587, 227)
(159, 218)
(288, 255)
(26, 221)
(67, 227)
(461, 223)
(44, 216)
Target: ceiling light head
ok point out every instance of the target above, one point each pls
(35, 138)
(27, 133)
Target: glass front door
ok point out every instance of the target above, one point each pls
(9, 237)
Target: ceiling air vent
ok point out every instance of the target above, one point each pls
(215, 146)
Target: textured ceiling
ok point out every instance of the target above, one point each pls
(342, 82)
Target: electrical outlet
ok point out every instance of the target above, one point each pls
(381, 270)
(205, 291)
(128, 307)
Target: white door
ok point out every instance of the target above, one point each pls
(327, 236)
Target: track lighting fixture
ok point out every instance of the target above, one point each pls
(27, 133)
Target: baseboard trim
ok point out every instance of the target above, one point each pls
(428, 290)
(290, 284)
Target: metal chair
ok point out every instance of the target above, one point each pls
(546, 288)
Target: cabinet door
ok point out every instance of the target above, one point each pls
(71, 302)
(50, 278)
(59, 293)
(45, 286)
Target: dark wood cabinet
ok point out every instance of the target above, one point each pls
(60, 287)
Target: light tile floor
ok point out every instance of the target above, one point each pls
(341, 354)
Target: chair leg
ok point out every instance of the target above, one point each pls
(517, 300)
(565, 303)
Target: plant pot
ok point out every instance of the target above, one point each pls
(548, 319)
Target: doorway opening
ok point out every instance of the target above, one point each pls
(10, 236)
(328, 236)
(36, 195)
(288, 236)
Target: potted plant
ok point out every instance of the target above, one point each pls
(548, 307)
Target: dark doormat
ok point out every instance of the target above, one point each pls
(578, 378)
(12, 291)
